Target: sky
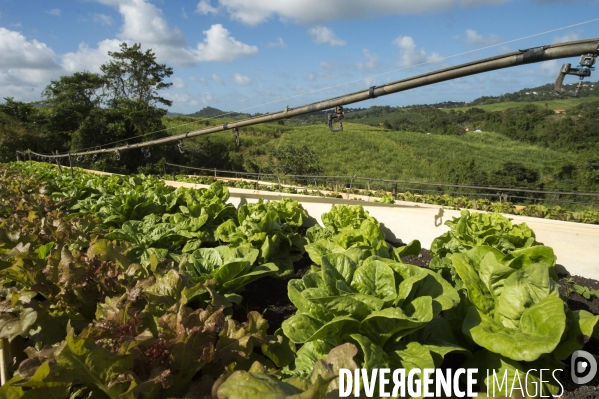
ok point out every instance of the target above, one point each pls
(263, 55)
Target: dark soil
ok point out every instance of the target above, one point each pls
(268, 296)
(422, 259)
(575, 300)
(578, 302)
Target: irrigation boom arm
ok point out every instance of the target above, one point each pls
(529, 56)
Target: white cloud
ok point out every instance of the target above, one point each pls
(90, 59)
(102, 19)
(550, 68)
(372, 61)
(206, 97)
(277, 43)
(26, 66)
(54, 11)
(18, 52)
(219, 45)
(410, 55)
(178, 83)
(568, 37)
(217, 79)
(241, 80)
(253, 12)
(322, 34)
(183, 100)
(204, 7)
(199, 80)
(472, 38)
(144, 23)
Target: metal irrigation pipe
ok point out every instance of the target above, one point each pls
(521, 57)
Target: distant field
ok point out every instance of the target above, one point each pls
(371, 151)
(565, 103)
(374, 152)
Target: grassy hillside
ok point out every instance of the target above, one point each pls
(566, 103)
(375, 152)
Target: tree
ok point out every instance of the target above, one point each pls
(121, 103)
(463, 171)
(294, 160)
(133, 79)
(514, 174)
(72, 98)
(135, 76)
(17, 110)
(21, 128)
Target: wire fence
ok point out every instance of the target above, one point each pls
(397, 188)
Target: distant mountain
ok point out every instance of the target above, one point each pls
(169, 113)
(208, 112)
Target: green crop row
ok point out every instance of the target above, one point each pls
(122, 287)
(588, 215)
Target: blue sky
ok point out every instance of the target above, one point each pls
(261, 55)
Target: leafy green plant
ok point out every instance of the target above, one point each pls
(513, 311)
(351, 227)
(231, 269)
(386, 199)
(97, 324)
(270, 227)
(475, 229)
(347, 226)
(586, 292)
(379, 305)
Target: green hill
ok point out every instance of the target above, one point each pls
(209, 112)
(567, 103)
(382, 153)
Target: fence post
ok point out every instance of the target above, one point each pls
(369, 184)
(3, 360)
(30, 155)
(215, 173)
(394, 190)
(71, 164)
(58, 163)
(164, 168)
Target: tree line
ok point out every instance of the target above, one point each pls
(86, 110)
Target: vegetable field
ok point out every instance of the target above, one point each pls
(122, 287)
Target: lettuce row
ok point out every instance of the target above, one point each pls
(475, 229)
(271, 227)
(376, 305)
(513, 311)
